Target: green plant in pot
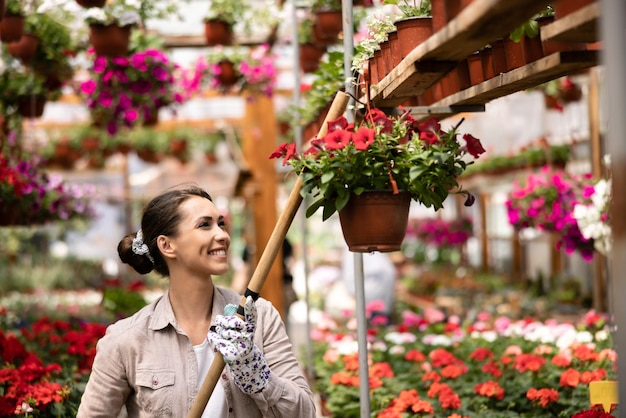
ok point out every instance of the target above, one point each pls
(55, 46)
(381, 152)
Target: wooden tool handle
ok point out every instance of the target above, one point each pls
(274, 244)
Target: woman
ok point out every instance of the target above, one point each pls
(154, 362)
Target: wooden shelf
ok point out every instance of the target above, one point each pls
(580, 26)
(480, 23)
(543, 70)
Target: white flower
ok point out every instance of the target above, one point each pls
(128, 17)
(96, 14)
(433, 339)
(602, 335)
(400, 338)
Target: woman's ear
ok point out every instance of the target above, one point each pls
(166, 247)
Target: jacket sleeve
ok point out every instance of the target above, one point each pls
(107, 388)
(287, 394)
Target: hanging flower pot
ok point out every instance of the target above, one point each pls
(310, 55)
(91, 3)
(24, 49)
(413, 31)
(11, 28)
(31, 106)
(375, 220)
(110, 40)
(218, 32)
(328, 25)
(228, 75)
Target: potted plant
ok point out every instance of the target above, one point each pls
(23, 91)
(310, 51)
(240, 69)
(376, 156)
(12, 25)
(55, 46)
(149, 144)
(126, 92)
(221, 16)
(328, 20)
(545, 200)
(110, 26)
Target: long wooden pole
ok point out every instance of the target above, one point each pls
(268, 256)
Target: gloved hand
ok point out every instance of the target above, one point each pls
(232, 337)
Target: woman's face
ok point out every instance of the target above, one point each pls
(201, 243)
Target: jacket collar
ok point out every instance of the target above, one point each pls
(163, 314)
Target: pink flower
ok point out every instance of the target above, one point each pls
(88, 87)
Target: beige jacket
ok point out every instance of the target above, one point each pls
(147, 363)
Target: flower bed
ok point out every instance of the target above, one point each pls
(431, 365)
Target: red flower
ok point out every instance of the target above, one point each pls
(489, 389)
(543, 397)
(474, 147)
(570, 378)
(415, 355)
(337, 140)
(528, 362)
(481, 354)
(363, 138)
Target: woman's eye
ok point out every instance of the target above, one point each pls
(203, 224)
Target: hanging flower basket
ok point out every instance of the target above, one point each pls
(110, 40)
(310, 55)
(228, 75)
(328, 25)
(218, 32)
(24, 49)
(375, 220)
(11, 28)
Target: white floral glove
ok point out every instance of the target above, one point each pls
(232, 337)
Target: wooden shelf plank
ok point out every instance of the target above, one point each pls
(580, 26)
(543, 70)
(480, 23)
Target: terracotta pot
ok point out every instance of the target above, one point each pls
(90, 143)
(310, 55)
(380, 65)
(499, 57)
(514, 54)
(463, 75)
(110, 40)
(328, 25)
(486, 60)
(91, 3)
(533, 50)
(149, 155)
(412, 32)
(228, 75)
(449, 84)
(385, 49)
(24, 49)
(394, 47)
(11, 28)
(443, 11)
(31, 106)
(373, 72)
(564, 7)
(475, 68)
(217, 32)
(376, 220)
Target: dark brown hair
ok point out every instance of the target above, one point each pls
(160, 217)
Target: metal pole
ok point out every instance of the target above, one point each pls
(359, 285)
(613, 22)
(297, 129)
